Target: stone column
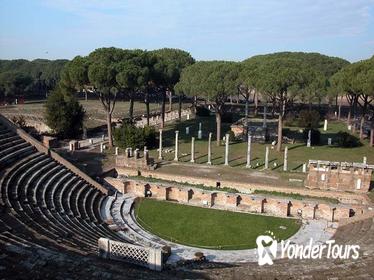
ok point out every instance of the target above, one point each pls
(193, 149)
(103, 137)
(84, 136)
(130, 152)
(249, 151)
(176, 146)
(267, 157)
(160, 146)
(304, 167)
(309, 141)
(101, 147)
(365, 160)
(265, 116)
(325, 126)
(136, 153)
(210, 149)
(227, 138)
(285, 163)
(187, 130)
(200, 132)
(116, 151)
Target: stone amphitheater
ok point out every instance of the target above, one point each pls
(58, 223)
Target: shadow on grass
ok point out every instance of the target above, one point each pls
(298, 167)
(295, 147)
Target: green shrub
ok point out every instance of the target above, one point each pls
(315, 135)
(202, 111)
(129, 135)
(344, 139)
(64, 115)
(309, 119)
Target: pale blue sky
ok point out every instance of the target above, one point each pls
(208, 29)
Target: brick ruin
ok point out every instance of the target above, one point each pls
(132, 159)
(280, 207)
(341, 176)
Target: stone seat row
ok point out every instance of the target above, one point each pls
(48, 199)
(120, 211)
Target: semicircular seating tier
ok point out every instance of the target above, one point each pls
(43, 201)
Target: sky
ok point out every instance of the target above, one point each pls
(208, 29)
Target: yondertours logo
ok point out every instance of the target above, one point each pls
(267, 250)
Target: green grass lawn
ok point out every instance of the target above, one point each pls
(209, 228)
(94, 110)
(297, 155)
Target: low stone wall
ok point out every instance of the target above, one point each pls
(143, 256)
(25, 136)
(274, 206)
(249, 187)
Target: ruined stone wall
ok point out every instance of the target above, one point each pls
(270, 205)
(350, 198)
(352, 179)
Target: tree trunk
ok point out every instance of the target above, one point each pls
(246, 107)
(194, 104)
(280, 132)
(180, 108)
(131, 109)
(218, 123)
(146, 101)
(109, 127)
(163, 109)
(255, 97)
(362, 120)
(170, 100)
(339, 108)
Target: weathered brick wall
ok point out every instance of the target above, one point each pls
(252, 203)
(350, 198)
(133, 162)
(245, 202)
(323, 211)
(339, 179)
(276, 207)
(158, 192)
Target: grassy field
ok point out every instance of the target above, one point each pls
(94, 110)
(209, 228)
(297, 155)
